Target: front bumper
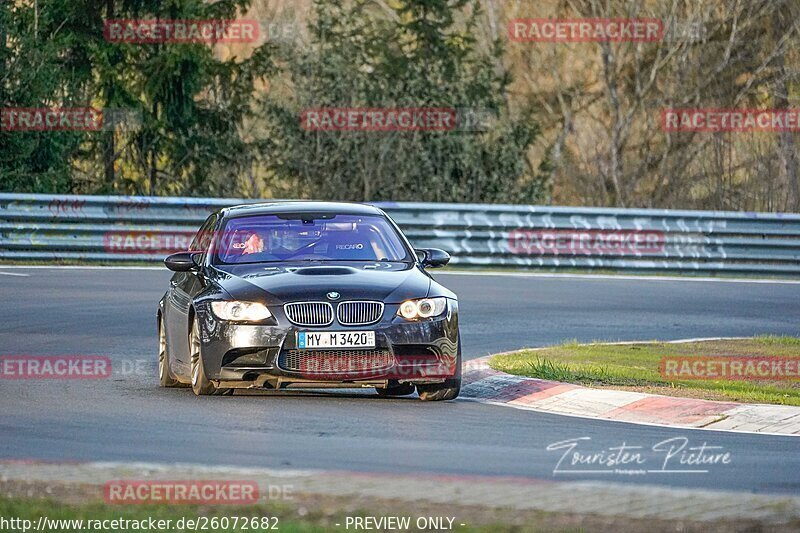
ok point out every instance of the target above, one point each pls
(243, 355)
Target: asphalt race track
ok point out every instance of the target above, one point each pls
(50, 311)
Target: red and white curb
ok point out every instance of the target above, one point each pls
(482, 383)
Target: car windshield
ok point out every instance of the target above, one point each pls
(308, 237)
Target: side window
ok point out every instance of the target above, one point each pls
(202, 240)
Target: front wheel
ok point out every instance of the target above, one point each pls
(447, 390)
(436, 392)
(165, 378)
(201, 385)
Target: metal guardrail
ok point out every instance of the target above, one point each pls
(128, 228)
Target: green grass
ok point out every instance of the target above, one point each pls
(637, 366)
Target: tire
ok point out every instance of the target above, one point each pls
(165, 377)
(437, 392)
(448, 390)
(395, 389)
(201, 386)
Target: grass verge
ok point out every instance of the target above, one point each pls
(62, 508)
(636, 367)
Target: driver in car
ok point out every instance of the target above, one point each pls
(253, 245)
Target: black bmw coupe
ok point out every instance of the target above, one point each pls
(308, 294)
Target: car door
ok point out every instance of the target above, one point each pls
(183, 287)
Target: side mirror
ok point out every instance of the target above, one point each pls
(433, 257)
(183, 261)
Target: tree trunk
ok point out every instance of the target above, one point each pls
(787, 151)
(153, 153)
(109, 141)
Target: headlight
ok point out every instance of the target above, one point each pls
(240, 311)
(424, 308)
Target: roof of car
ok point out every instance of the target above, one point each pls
(269, 208)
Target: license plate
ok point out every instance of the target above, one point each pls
(335, 339)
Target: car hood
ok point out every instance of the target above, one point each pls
(278, 284)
